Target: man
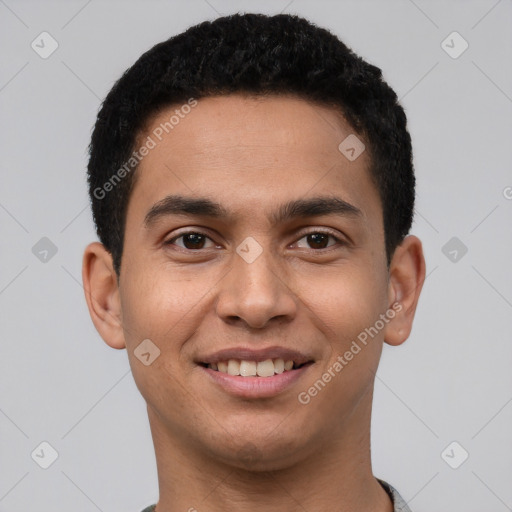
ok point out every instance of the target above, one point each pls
(252, 187)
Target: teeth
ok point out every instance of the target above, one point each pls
(278, 366)
(233, 367)
(266, 368)
(248, 368)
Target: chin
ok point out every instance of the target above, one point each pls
(259, 450)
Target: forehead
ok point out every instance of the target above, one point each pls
(245, 124)
(249, 151)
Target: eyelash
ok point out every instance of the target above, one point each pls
(331, 234)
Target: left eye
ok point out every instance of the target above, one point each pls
(318, 240)
(192, 240)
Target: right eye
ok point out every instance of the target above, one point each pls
(191, 240)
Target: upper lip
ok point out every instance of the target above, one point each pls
(250, 354)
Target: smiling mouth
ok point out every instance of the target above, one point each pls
(245, 368)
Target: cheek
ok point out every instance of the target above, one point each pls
(345, 306)
(165, 310)
(346, 301)
(163, 303)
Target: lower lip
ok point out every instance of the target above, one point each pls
(256, 387)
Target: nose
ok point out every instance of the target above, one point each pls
(255, 294)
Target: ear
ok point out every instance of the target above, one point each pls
(406, 278)
(102, 294)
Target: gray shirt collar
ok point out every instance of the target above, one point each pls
(399, 503)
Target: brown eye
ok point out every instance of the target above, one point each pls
(318, 240)
(191, 241)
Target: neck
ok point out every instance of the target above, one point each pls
(335, 475)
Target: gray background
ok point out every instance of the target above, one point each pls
(450, 382)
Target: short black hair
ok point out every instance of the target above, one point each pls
(252, 54)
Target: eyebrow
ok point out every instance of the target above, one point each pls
(299, 208)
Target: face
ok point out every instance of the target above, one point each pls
(250, 237)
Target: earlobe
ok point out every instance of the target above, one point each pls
(102, 294)
(406, 278)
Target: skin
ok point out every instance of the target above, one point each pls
(215, 451)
